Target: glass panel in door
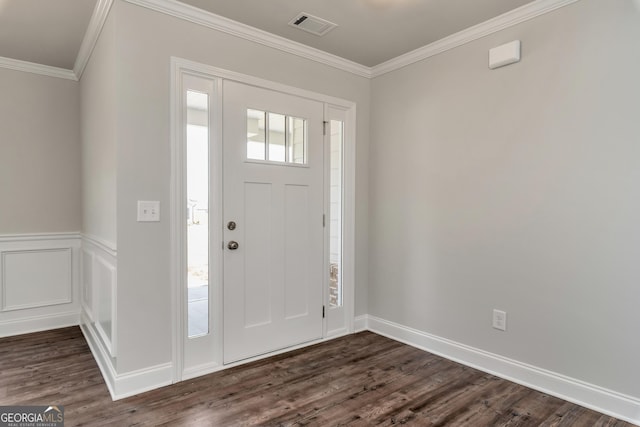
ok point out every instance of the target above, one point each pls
(335, 213)
(197, 153)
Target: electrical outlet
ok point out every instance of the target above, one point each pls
(148, 211)
(500, 320)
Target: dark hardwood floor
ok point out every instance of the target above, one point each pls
(359, 380)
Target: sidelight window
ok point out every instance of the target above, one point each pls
(335, 212)
(197, 154)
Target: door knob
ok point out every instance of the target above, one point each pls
(232, 245)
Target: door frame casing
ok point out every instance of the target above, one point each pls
(339, 320)
(179, 68)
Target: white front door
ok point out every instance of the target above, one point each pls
(273, 220)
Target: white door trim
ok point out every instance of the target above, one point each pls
(340, 320)
(180, 67)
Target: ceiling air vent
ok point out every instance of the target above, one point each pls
(312, 24)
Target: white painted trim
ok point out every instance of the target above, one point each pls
(98, 18)
(103, 259)
(200, 370)
(213, 367)
(5, 238)
(136, 382)
(182, 346)
(200, 17)
(100, 354)
(100, 13)
(130, 383)
(4, 307)
(219, 23)
(361, 323)
(176, 218)
(570, 389)
(349, 219)
(348, 117)
(195, 68)
(27, 325)
(86, 281)
(15, 320)
(109, 340)
(32, 67)
(179, 67)
(105, 245)
(234, 28)
(506, 20)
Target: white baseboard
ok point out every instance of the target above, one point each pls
(200, 370)
(100, 353)
(608, 402)
(136, 382)
(27, 325)
(129, 383)
(360, 323)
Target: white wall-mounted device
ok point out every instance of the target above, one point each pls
(148, 211)
(505, 54)
(500, 320)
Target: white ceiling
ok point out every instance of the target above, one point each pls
(47, 32)
(369, 32)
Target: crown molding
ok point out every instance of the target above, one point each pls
(200, 17)
(506, 20)
(98, 18)
(229, 26)
(32, 67)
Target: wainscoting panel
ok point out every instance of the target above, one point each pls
(39, 282)
(105, 286)
(99, 313)
(36, 278)
(87, 281)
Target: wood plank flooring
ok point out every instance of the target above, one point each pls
(358, 380)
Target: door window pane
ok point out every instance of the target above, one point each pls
(197, 153)
(276, 137)
(256, 135)
(297, 140)
(335, 213)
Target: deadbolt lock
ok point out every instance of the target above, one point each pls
(231, 225)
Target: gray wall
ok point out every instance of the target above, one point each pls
(145, 42)
(39, 154)
(517, 189)
(99, 132)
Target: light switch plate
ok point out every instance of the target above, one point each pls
(148, 211)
